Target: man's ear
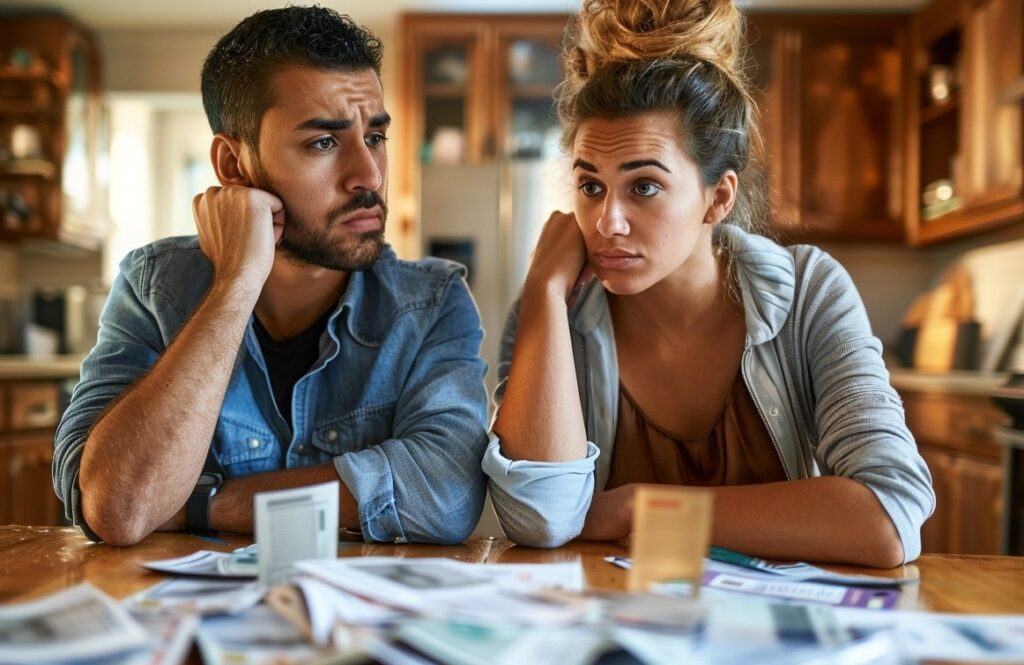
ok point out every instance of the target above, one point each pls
(723, 197)
(226, 154)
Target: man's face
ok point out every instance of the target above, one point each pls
(322, 152)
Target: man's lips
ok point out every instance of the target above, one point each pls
(370, 219)
(616, 258)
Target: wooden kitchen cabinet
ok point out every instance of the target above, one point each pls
(476, 88)
(31, 411)
(830, 94)
(954, 436)
(51, 183)
(964, 115)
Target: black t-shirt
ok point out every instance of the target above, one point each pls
(288, 360)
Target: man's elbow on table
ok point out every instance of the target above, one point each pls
(114, 526)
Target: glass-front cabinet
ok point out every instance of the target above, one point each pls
(967, 69)
(476, 89)
(51, 132)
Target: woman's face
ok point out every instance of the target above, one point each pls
(640, 201)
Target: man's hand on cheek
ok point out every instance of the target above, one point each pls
(239, 228)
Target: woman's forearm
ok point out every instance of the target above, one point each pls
(828, 519)
(540, 418)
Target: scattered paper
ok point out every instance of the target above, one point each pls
(671, 533)
(74, 624)
(804, 572)
(256, 637)
(203, 563)
(937, 636)
(295, 524)
(403, 583)
(170, 640)
(196, 595)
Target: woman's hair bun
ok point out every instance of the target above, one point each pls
(621, 31)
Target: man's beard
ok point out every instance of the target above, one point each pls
(305, 241)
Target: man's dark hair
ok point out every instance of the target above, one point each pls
(237, 73)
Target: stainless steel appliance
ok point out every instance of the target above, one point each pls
(1010, 398)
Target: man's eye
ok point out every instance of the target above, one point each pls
(376, 139)
(324, 144)
(646, 189)
(590, 188)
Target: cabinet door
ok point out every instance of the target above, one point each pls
(27, 481)
(980, 507)
(994, 59)
(832, 113)
(528, 68)
(936, 534)
(451, 117)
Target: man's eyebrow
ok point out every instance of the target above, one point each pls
(325, 124)
(380, 120)
(640, 163)
(586, 166)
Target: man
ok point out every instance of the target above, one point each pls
(285, 345)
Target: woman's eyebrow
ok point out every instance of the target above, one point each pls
(640, 163)
(586, 166)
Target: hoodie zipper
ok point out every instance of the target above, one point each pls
(760, 409)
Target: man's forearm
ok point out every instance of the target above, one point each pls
(231, 508)
(143, 456)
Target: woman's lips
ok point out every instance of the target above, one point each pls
(617, 259)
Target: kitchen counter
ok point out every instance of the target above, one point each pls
(960, 382)
(18, 368)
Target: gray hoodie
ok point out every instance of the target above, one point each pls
(811, 363)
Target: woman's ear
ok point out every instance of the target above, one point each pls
(228, 164)
(723, 197)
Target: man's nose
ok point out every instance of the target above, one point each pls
(362, 172)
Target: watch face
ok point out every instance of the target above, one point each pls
(206, 480)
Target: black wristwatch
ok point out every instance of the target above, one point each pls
(197, 508)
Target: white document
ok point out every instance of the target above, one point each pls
(295, 524)
(256, 637)
(171, 640)
(203, 563)
(530, 577)
(958, 637)
(327, 605)
(74, 624)
(412, 584)
(196, 595)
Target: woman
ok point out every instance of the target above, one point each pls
(700, 353)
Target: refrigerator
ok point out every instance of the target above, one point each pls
(488, 217)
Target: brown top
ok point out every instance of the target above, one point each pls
(737, 451)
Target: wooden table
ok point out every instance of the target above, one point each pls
(36, 561)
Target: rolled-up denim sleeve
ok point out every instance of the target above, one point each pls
(540, 504)
(128, 345)
(425, 484)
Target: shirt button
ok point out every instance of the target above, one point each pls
(254, 443)
(332, 435)
(301, 448)
(774, 411)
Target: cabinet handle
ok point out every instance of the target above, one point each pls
(977, 432)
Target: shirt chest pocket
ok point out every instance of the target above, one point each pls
(355, 431)
(243, 448)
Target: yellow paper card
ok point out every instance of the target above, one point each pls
(671, 534)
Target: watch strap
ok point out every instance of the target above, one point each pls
(197, 508)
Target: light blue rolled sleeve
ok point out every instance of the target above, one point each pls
(540, 504)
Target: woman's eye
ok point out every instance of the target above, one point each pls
(590, 188)
(376, 139)
(646, 189)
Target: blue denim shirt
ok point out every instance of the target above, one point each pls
(396, 401)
